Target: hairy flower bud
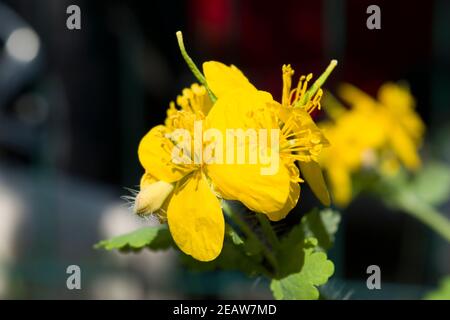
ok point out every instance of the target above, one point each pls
(151, 198)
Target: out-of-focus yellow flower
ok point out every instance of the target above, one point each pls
(241, 105)
(407, 128)
(380, 134)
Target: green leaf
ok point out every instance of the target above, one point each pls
(318, 228)
(231, 258)
(303, 264)
(289, 253)
(156, 237)
(432, 183)
(322, 225)
(419, 196)
(238, 254)
(442, 292)
(303, 285)
(235, 238)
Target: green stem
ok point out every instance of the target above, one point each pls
(425, 213)
(250, 235)
(268, 230)
(317, 84)
(192, 66)
(248, 259)
(237, 220)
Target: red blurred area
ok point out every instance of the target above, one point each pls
(259, 36)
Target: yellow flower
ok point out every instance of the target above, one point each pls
(181, 193)
(402, 126)
(271, 194)
(407, 127)
(185, 193)
(353, 138)
(240, 105)
(301, 129)
(372, 134)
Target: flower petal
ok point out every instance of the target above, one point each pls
(312, 173)
(238, 110)
(294, 195)
(341, 185)
(266, 194)
(358, 99)
(222, 78)
(155, 155)
(260, 190)
(147, 179)
(195, 218)
(405, 149)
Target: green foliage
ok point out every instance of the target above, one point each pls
(302, 285)
(237, 254)
(290, 253)
(417, 194)
(296, 263)
(316, 230)
(250, 246)
(322, 225)
(157, 237)
(235, 238)
(231, 258)
(303, 264)
(432, 183)
(442, 292)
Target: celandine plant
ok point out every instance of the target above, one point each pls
(375, 148)
(228, 161)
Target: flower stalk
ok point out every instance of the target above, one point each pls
(268, 230)
(268, 254)
(193, 67)
(425, 213)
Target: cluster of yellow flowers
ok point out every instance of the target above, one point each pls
(377, 134)
(188, 195)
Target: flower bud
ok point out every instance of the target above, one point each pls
(151, 198)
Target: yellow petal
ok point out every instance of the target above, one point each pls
(294, 195)
(155, 155)
(222, 78)
(357, 98)
(266, 194)
(313, 175)
(147, 179)
(396, 97)
(239, 109)
(195, 218)
(405, 149)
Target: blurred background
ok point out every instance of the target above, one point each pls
(74, 105)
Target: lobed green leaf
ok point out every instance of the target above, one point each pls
(155, 237)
